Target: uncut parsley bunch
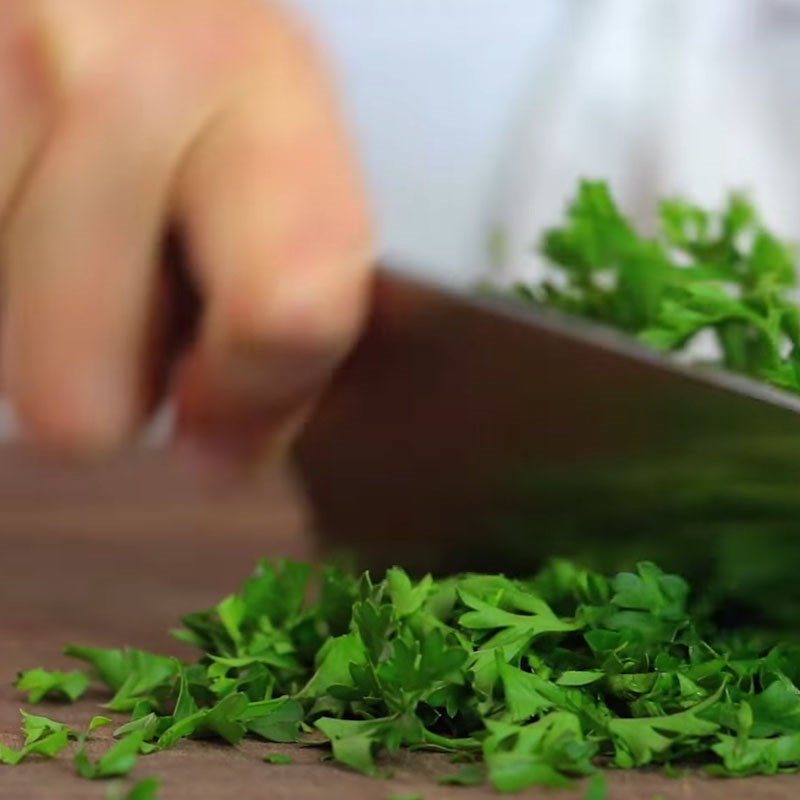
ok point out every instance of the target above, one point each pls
(719, 272)
(532, 681)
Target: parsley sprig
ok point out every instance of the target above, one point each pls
(724, 273)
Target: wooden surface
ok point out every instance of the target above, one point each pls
(115, 555)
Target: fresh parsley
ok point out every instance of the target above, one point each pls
(531, 682)
(278, 758)
(39, 683)
(145, 789)
(722, 273)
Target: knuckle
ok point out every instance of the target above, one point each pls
(308, 286)
(274, 47)
(60, 399)
(353, 227)
(95, 82)
(49, 58)
(25, 62)
(80, 55)
(316, 315)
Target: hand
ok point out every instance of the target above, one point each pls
(123, 122)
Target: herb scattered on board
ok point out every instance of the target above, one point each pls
(145, 789)
(278, 758)
(723, 273)
(535, 682)
(39, 683)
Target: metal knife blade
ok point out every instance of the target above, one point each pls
(471, 433)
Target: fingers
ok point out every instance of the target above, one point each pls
(227, 128)
(81, 286)
(85, 203)
(274, 216)
(23, 102)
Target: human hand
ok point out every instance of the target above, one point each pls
(122, 122)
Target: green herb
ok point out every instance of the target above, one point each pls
(119, 760)
(39, 683)
(49, 745)
(145, 789)
(532, 682)
(278, 758)
(597, 788)
(36, 727)
(468, 775)
(132, 674)
(722, 273)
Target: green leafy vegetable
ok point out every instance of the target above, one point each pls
(528, 682)
(597, 788)
(36, 727)
(49, 745)
(723, 273)
(39, 683)
(118, 760)
(468, 775)
(145, 789)
(133, 674)
(278, 758)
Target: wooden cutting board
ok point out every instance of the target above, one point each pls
(113, 555)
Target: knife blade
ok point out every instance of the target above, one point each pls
(470, 432)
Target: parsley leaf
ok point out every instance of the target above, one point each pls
(119, 760)
(48, 745)
(39, 683)
(278, 758)
(145, 789)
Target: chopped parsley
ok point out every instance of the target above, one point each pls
(722, 273)
(278, 758)
(39, 683)
(530, 682)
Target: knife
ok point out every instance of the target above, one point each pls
(472, 432)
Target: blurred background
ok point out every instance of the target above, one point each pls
(475, 118)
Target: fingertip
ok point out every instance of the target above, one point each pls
(75, 418)
(74, 435)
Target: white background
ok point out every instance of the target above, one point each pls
(434, 90)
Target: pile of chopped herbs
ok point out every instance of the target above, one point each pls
(523, 682)
(721, 273)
